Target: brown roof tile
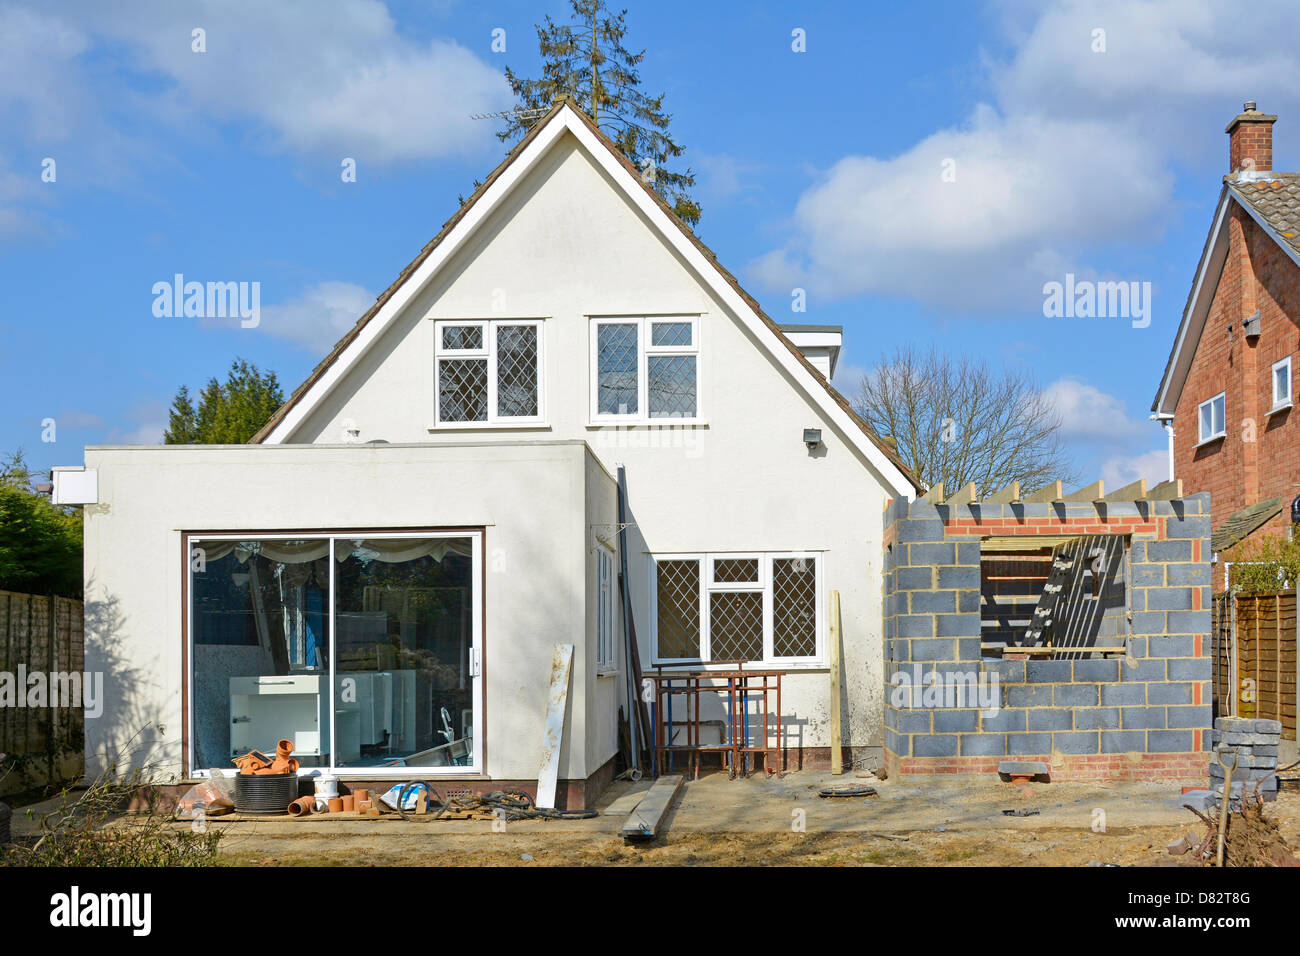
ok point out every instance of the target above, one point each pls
(1278, 203)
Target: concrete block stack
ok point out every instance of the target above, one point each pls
(1256, 742)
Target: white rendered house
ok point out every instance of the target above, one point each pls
(384, 573)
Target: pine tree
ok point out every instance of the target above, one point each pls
(228, 413)
(586, 60)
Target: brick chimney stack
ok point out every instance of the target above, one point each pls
(1250, 140)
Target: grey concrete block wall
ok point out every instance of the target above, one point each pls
(1254, 741)
(1155, 699)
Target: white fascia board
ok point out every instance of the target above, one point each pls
(451, 243)
(1197, 309)
(566, 119)
(896, 481)
(815, 339)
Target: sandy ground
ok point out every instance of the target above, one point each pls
(779, 822)
(771, 822)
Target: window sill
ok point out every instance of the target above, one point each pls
(1285, 406)
(648, 423)
(1211, 440)
(488, 427)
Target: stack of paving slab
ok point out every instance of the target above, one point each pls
(1256, 742)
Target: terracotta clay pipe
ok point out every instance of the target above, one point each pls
(284, 763)
(302, 806)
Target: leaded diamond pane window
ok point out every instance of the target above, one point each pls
(672, 386)
(736, 626)
(756, 607)
(678, 609)
(517, 371)
(462, 337)
(489, 371)
(670, 334)
(646, 368)
(735, 570)
(462, 390)
(794, 607)
(617, 359)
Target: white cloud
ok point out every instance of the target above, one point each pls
(107, 89)
(145, 424)
(318, 317)
(1123, 470)
(1077, 148)
(1103, 438)
(76, 418)
(1091, 415)
(333, 78)
(1022, 197)
(723, 177)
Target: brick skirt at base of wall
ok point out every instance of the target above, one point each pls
(1065, 768)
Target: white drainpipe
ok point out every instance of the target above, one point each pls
(1167, 422)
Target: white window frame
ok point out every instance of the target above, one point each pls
(194, 539)
(488, 352)
(709, 585)
(607, 609)
(1205, 439)
(645, 351)
(1285, 400)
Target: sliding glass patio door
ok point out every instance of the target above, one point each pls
(363, 649)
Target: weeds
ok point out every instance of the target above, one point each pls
(116, 821)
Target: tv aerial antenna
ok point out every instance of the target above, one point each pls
(511, 114)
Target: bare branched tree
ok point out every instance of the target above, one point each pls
(959, 420)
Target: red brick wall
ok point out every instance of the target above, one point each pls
(1236, 471)
(1254, 141)
(1067, 768)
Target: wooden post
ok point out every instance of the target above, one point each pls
(837, 750)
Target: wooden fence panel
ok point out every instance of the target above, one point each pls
(44, 744)
(1264, 625)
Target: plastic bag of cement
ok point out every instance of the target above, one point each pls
(410, 798)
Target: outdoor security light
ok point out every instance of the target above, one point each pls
(812, 437)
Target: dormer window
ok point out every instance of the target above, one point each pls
(488, 372)
(645, 369)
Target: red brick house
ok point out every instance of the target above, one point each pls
(1228, 388)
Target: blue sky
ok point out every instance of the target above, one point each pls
(821, 169)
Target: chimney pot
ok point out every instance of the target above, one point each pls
(1249, 106)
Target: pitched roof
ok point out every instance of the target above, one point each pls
(1277, 200)
(1243, 523)
(348, 338)
(1272, 200)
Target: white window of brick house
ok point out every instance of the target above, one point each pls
(606, 611)
(1210, 415)
(1282, 384)
(716, 608)
(488, 373)
(645, 369)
